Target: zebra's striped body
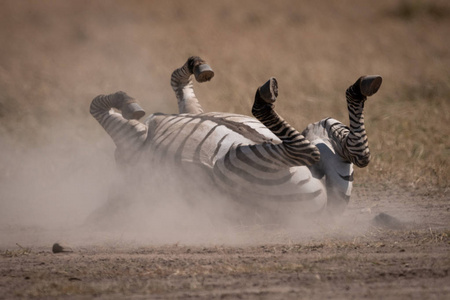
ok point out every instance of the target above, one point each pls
(262, 161)
(228, 148)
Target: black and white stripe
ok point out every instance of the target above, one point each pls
(262, 159)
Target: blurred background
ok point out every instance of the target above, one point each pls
(56, 56)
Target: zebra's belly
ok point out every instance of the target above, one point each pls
(293, 189)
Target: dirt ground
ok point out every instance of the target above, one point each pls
(57, 164)
(360, 258)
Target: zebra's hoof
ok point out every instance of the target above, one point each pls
(132, 111)
(269, 90)
(370, 84)
(203, 73)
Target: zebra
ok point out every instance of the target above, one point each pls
(261, 161)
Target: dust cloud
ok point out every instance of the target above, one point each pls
(70, 191)
(50, 189)
(57, 166)
(60, 191)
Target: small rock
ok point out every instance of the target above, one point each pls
(387, 221)
(57, 248)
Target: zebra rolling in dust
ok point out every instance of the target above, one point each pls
(262, 162)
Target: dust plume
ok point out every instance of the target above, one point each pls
(57, 164)
(61, 191)
(66, 190)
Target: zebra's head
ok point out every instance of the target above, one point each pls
(338, 176)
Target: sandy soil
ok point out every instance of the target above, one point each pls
(354, 257)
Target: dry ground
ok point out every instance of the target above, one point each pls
(355, 259)
(56, 162)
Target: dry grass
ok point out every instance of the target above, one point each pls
(16, 252)
(57, 55)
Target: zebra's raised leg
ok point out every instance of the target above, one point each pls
(295, 149)
(126, 131)
(182, 84)
(355, 144)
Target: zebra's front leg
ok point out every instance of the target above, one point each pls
(295, 149)
(355, 144)
(182, 84)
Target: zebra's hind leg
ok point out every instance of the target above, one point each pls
(355, 145)
(182, 84)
